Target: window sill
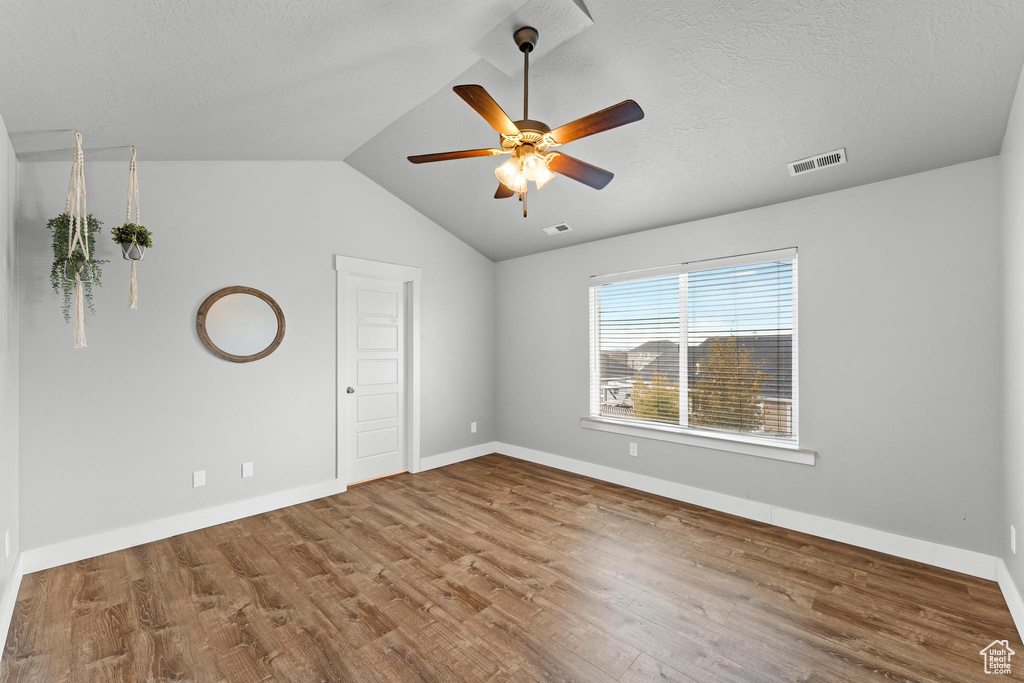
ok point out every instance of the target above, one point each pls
(732, 444)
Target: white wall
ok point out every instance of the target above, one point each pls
(1012, 161)
(899, 363)
(8, 361)
(111, 434)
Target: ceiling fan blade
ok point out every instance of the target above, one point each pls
(614, 116)
(485, 105)
(503, 192)
(446, 156)
(580, 171)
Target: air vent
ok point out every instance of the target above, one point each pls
(816, 163)
(555, 229)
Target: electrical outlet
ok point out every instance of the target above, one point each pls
(246, 470)
(198, 479)
(472, 427)
(7, 544)
(1013, 539)
(632, 448)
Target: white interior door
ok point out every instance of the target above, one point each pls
(376, 382)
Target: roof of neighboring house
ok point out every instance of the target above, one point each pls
(658, 346)
(666, 365)
(612, 367)
(772, 355)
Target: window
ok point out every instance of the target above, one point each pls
(706, 347)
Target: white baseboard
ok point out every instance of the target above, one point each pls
(955, 559)
(927, 552)
(1011, 595)
(740, 507)
(7, 600)
(76, 549)
(452, 457)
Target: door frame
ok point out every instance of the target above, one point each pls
(411, 276)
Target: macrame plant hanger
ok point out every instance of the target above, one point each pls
(133, 193)
(78, 235)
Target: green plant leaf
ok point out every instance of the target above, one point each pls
(60, 227)
(132, 232)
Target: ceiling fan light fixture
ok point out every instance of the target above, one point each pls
(510, 174)
(543, 176)
(529, 141)
(533, 163)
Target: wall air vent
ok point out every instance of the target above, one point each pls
(816, 163)
(555, 229)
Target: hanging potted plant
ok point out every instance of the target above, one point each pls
(74, 270)
(134, 240)
(66, 271)
(133, 237)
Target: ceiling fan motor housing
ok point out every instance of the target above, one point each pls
(532, 133)
(526, 38)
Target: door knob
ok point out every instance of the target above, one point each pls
(350, 390)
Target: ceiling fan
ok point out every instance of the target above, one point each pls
(531, 143)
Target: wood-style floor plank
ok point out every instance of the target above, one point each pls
(500, 571)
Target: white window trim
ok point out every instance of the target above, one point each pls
(732, 443)
(690, 266)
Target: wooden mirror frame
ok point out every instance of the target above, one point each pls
(221, 353)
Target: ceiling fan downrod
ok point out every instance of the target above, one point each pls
(526, 38)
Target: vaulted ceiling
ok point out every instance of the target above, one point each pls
(732, 91)
(252, 79)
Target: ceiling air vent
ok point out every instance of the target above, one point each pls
(816, 163)
(555, 229)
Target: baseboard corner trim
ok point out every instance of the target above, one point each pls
(926, 552)
(451, 457)
(1011, 595)
(75, 549)
(8, 600)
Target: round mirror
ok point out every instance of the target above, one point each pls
(240, 324)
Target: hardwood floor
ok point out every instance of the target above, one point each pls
(501, 570)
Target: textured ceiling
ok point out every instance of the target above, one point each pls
(253, 79)
(561, 19)
(732, 90)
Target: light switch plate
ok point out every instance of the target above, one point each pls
(198, 479)
(246, 470)
(472, 427)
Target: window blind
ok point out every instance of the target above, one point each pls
(639, 349)
(708, 348)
